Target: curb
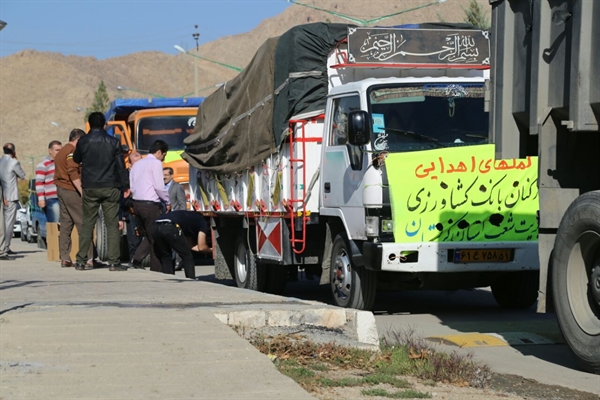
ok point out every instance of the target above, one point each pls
(359, 325)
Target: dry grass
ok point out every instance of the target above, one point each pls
(318, 367)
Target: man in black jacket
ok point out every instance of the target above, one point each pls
(103, 176)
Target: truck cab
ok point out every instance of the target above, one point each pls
(140, 128)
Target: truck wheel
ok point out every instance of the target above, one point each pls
(576, 279)
(248, 273)
(101, 237)
(352, 286)
(276, 278)
(517, 289)
(30, 235)
(41, 242)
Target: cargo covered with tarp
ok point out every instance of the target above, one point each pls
(246, 119)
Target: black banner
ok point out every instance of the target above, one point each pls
(418, 46)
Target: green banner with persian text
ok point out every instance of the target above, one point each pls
(462, 194)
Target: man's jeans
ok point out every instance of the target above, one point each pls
(52, 210)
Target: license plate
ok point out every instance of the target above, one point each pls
(483, 255)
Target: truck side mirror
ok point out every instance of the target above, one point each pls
(359, 128)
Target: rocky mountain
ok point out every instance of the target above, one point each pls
(44, 95)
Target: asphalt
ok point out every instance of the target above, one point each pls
(68, 334)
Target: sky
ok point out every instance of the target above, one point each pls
(112, 28)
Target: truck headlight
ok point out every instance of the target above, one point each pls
(387, 226)
(372, 226)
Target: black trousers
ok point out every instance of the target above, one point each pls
(146, 214)
(133, 241)
(168, 238)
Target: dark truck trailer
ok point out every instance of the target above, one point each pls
(546, 101)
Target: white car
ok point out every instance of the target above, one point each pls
(25, 225)
(17, 226)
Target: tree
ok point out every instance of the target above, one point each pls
(474, 15)
(23, 186)
(101, 101)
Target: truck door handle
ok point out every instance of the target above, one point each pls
(327, 187)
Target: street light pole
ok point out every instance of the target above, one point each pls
(196, 36)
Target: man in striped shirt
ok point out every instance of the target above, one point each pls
(44, 183)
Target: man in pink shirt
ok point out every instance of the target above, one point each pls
(148, 191)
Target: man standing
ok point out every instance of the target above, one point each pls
(128, 216)
(67, 177)
(44, 183)
(148, 190)
(3, 256)
(103, 175)
(182, 232)
(175, 190)
(10, 171)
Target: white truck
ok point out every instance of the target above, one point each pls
(546, 102)
(363, 154)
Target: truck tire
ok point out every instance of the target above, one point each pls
(248, 273)
(576, 279)
(352, 286)
(101, 237)
(517, 289)
(41, 241)
(276, 279)
(30, 235)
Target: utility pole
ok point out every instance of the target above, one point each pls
(196, 36)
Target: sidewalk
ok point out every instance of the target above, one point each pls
(135, 334)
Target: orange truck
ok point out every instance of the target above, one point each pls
(138, 123)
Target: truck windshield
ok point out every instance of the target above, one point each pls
(422, 117)
(171, 129)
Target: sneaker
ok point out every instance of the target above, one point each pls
(6, 257)
(136, 264)
(79, 267)
(66, 263)
(117, 267)
(9, 251)
(178, 266)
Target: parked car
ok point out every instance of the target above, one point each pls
(17, 226)
(38, 216)
(26, 225)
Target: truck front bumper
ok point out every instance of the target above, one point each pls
(440, 257)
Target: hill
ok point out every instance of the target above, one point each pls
(43, 95)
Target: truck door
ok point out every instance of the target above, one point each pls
(343, 168)
(120, 131)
